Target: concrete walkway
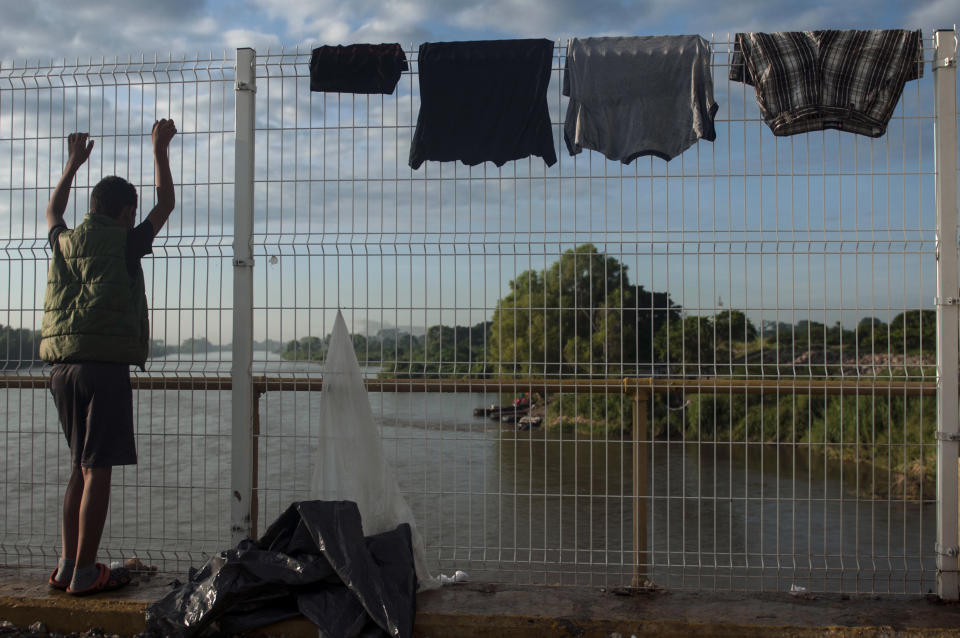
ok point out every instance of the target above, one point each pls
(472, 609)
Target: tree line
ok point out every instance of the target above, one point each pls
(583, 317)
(20, 347)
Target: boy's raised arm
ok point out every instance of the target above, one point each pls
(163, 132)
(79, 150)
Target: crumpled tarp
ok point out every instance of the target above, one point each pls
(313, 560)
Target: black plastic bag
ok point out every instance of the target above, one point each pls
(314, 561)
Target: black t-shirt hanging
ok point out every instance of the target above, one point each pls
(357, 68)
(484, 101)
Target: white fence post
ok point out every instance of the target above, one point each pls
(948, 311)
(241, 372)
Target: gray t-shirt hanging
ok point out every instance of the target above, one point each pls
(639, 95)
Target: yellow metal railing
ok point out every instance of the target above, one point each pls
(701, 385)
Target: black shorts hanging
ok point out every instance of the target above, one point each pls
(357, 68)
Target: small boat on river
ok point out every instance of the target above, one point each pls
(498, 412)
(529, 423)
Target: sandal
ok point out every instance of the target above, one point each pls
(108, 580)
(56, 584)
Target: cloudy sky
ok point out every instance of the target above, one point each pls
(339, 213)
(70, 28)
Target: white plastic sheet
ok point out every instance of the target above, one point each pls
(349, 461)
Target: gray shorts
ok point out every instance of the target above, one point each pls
(95, 404)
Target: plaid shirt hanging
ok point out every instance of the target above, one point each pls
(814, 80)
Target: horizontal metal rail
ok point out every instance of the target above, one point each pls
(784, 385)
(698, 385)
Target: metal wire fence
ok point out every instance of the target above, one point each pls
(778, 262)
(170, 508)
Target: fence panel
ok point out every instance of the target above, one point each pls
(172, 508)
(787, 259)
(755, 259)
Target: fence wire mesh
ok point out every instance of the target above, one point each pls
(754, 260)
(172, 507)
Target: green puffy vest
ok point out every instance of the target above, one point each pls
(93, 309)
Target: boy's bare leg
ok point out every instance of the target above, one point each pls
(92, 513)
(71, 514)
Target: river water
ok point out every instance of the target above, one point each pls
(522, 507)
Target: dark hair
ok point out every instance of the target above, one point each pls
(111, 194)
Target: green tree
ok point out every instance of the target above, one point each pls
(581, 315)
(444, 351)
(837, 336)
(19, 347)
(362, 348)
(777, 330)
(914, 331)
(305, 349)
(195, 345)
(872, 335)
(455, 344)
(810, 335)
(158, 348)
(733, 326)
(395, 345)
(690, 341)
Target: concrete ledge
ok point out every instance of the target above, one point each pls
(484, 610)
(25, 598)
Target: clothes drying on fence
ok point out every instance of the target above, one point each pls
(483, 101)
(314, 560)
(357, 68)
(814, 80)
(635, 96)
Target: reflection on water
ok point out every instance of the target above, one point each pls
(524, 507)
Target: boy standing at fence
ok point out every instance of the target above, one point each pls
(94, 327)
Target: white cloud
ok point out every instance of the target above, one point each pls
(762, 15)
(44, 29)
(530, 18)
(937, 14)
(332, 22)
(63, 28)
(414, 21)
(334, 31)
(54, 29)
(238, 38)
